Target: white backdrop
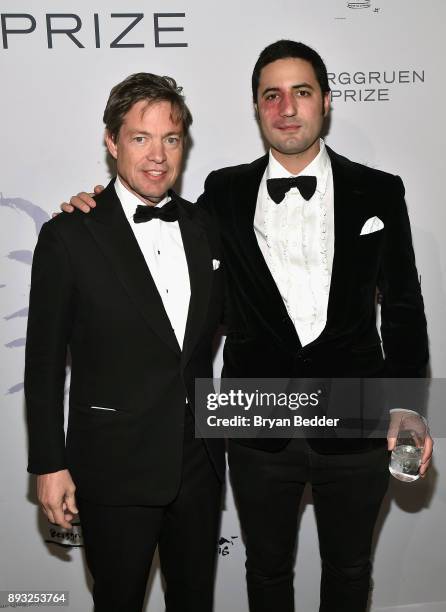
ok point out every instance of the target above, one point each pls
(386, 61)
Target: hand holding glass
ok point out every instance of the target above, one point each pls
(406, 456)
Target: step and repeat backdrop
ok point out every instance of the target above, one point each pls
(58, 62)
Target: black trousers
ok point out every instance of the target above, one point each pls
(347, 493)
(120, 541)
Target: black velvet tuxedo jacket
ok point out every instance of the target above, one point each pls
(262, 340)
(92, 291)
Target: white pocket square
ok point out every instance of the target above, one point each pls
(374, 224)
(215, 264)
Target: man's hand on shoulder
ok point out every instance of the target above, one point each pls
(83, 201)
(55, 492)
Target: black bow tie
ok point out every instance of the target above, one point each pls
(168, 212)
(278, 187)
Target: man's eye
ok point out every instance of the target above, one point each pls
(172, 140)
(139, 139)
(271, 97)
(303, 93)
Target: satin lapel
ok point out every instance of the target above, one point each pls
(269, 302)
(347, 209)
(111, 230)
(199, 263)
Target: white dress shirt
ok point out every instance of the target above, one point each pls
(296, 238)
(162, 247)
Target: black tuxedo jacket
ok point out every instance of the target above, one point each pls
(91, 290)
(262, 340)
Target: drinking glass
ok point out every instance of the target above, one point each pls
(406, 456)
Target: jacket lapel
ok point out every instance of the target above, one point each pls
(111, 230)
(268, 299)
(199, 263)
(347, 210)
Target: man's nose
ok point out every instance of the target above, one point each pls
(288, 105)
(156, 152)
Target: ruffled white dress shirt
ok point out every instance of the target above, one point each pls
(296, 238)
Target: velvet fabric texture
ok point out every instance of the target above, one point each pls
(262, 341)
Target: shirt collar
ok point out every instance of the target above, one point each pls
(130, 201)
(318, 167)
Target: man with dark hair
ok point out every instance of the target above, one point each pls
(303, 305)
(308, 237)
(135, 291)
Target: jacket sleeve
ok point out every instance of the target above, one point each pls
(403, 323)
(49, 325)
(206, 202)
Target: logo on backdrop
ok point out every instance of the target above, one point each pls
(373, 85)
(69, 538)
(64, 537)
(359, 5)
(21, 221)
(130, 30)
(347, 9)
(225, 545)
(369, 85)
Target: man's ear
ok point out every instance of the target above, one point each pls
(256, 111)
(326, 103)
(111, 144)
